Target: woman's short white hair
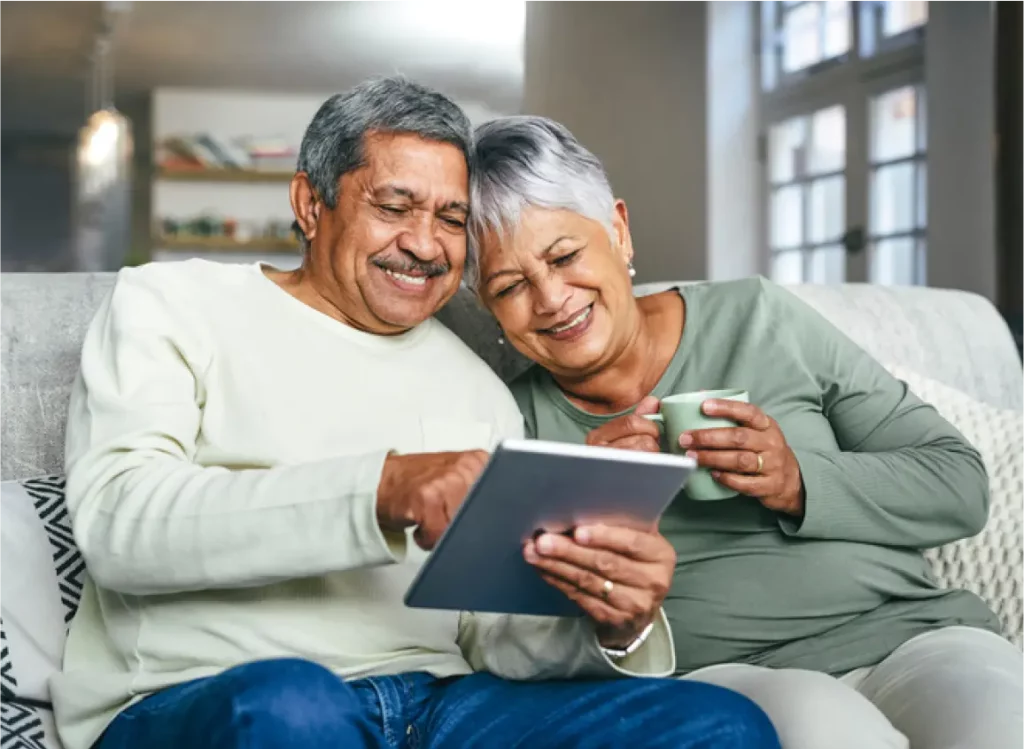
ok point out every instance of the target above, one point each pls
(531, 161)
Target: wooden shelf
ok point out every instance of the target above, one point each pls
(223, 175)
(225, 244)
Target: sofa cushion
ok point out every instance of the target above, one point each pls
(988, 564)
(42, 575)
(22, 725)
(27, 727)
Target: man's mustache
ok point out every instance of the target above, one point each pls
(413, 267)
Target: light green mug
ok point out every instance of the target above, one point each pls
(682, 413)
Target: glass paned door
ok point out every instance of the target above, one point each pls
(897, 188)
(807, 201)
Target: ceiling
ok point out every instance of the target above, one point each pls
(470, 50)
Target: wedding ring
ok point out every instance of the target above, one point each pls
(606, 589)
(760, 463)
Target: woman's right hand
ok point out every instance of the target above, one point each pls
(632, 431)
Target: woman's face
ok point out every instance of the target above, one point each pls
(560, 288)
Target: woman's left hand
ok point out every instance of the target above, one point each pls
(618, 576)
(753, 458)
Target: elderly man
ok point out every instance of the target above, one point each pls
(257, 461)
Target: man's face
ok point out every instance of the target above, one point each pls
(393, 250)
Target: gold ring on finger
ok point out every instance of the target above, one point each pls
(760, 463)
(606, 589)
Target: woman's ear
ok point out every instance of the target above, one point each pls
(620, 227)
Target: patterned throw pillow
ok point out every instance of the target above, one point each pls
(988, 564)
(24, 726)
(42, 576)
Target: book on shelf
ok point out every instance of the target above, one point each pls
(204, 151)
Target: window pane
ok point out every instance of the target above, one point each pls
(837, 28)
(828, 209)
(892, 199)
(787, 217)
(894, 124)
(788, 267)
(828, 141)
(903, 15)
(828, 265)
(786, 142)
(922, 119)
(801, 34)
(892, 262)
(922, 195)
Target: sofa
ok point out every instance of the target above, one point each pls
(952, 348)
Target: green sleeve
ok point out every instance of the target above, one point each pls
(904, 476)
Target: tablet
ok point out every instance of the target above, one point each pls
(530, 486)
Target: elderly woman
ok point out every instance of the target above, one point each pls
(808, 591)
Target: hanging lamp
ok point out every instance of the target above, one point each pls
(103, 164)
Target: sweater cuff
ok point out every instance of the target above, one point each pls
(828, 511)
(656, 657)
(379, 546)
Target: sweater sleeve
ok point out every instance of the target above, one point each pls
(534, 648)
(148, 518)
(903, 476)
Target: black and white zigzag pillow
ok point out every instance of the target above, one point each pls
(26, 727)
(43, 573)
(48, 499)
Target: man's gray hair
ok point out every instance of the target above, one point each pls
(334, 141)
(531, 161)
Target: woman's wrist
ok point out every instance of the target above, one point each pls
(615, 651)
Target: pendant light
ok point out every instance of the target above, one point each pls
(103, 164)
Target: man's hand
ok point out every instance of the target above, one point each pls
(425, 490)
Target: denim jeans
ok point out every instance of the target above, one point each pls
(295, 703)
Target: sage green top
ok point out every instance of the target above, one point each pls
(885, 477)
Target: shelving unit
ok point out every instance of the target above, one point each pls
(253, 196)
(223, 175)
(226, 244)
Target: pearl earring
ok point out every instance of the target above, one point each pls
(632, 270)
(501, 340)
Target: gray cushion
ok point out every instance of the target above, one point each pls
(44, 319)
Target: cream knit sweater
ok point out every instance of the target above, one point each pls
(224, 446)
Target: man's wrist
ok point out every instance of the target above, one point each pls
(617, 654)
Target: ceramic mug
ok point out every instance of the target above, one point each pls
(682, 413)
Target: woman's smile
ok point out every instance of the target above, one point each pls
(573, 328)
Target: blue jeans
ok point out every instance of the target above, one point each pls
(295, 703)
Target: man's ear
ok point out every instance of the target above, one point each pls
(305, 204)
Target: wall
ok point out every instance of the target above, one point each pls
(1009, 193)
(959, 72)
(629, 80)
(40, 120)
(35, 213)
(138, 109)
(733, 169)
